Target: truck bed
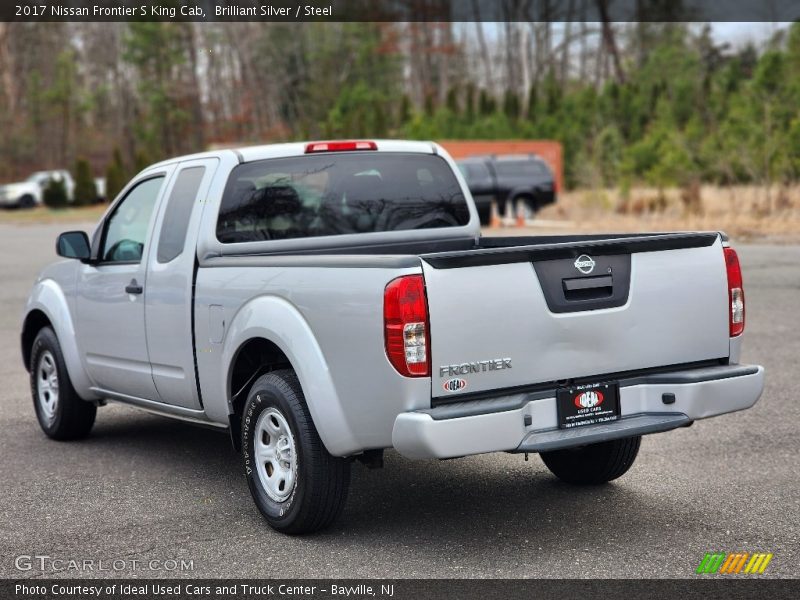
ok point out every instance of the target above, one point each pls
(652, 300)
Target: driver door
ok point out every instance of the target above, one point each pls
(110, 295)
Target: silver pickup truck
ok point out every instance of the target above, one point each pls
(326, 301)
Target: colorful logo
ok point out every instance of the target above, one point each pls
(454, 385)
(734, 563)
(589, 399)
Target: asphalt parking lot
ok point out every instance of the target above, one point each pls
(146, 488)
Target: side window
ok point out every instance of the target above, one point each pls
(126, 229)
(179, 210)
(480, 171)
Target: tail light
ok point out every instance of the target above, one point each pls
(735, 292)
(339, 146)
(406, 328)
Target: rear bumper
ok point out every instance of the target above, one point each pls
(498, 424)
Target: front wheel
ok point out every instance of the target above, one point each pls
(595, 463)
(296, 484)
(27, 201)
(62, 414)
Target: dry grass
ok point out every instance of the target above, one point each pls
(42, 214)
(743, 212)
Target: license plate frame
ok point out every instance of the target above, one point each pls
(588, 404)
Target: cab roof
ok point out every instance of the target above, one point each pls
(267, 151)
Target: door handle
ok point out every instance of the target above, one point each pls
(587, 283)
(588, 288)
(134, 288)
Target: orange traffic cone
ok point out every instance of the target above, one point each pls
(494, 219)
(520, 214)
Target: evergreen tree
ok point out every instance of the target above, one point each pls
(55, 193)
(405, 109)
(486, 105)
(511, 106)
(85, 188)
(552, 94)
(430, 107)
(452, 100)
(115, 176)
(470, 102)
(141, 161)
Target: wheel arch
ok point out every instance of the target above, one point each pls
(253, 358)
(34, 322)
(48, 306)
(269, 333)
(525, 194)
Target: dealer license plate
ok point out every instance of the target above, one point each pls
(590, 404)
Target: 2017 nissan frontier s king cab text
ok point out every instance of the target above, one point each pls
(326, 301)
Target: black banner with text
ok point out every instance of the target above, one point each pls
(730, 588)
(397, 10)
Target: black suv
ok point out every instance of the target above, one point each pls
(524, 178)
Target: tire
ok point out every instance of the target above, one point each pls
(62, 414)
(485, 214)
(27, 201)
(315, 483)
(528, 202)
(593, 464)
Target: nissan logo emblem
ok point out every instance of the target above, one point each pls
(585, 264)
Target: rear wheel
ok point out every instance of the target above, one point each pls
(62, 414)
(527, 203)
(485, 214)
(593, 464)
(296, 484)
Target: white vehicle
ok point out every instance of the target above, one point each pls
(325, 301)
(30, 193)
(100, 186)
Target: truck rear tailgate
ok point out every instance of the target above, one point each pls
(504, 318)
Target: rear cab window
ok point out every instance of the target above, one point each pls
(339, 193)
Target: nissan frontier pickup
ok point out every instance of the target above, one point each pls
(326, 301)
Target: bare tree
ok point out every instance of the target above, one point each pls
(565, 54)
(7, 74)
(609, 40)
(485, 58)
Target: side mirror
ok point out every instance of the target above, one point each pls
(74, 244)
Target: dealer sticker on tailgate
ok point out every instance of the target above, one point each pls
(588, 404)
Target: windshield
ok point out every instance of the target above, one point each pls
(41, 177)
(335, 194)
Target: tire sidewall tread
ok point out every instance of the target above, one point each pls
(74, 416)
(593, 464)
(321, 481)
